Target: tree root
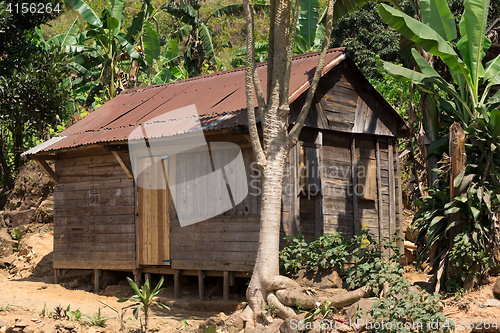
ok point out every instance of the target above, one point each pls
(281, 282)
(307, 300)
(282, 310)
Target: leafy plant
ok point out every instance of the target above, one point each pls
(17, 234)
(411, 312)
(144, 299)
(328, 251)
(5, 308)
(96, 319)
(372, 267)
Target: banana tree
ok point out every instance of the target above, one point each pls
(103, 51)
(196, 32)
(467, 96)
(466, 99)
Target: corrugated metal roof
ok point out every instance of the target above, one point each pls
(219, 99)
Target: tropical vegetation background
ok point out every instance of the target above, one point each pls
(56, 67)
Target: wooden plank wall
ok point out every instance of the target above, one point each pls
(338, 207)
(226, 242)
(94, 224)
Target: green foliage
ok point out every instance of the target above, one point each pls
(365, 37)
(144, 299)
(471, 210)
(328, 251)
(17, 234)
(371, 268)
(5, 308)
(96, 319)
(418, 310)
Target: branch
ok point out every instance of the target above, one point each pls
(250, 78)
(290, 51)
(293, 135)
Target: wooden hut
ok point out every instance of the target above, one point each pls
(104, 221)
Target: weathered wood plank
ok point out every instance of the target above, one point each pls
(95, 238)
(216, 266)
(104, 201)
(223, 257)
(96, 247)
(95, 229)
(85, 185)
(70, 263)
(211, 246)
(95, 211)
(379, 192)
(356, 226)
(105, 256)
(392, 211)
(114, 220)
(104, 192)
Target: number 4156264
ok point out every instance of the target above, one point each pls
(33, 8)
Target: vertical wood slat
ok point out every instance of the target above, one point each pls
(379, 192)
(392, 197)
(319, 225)
(356, 225)
(294, 196)
(399, 225)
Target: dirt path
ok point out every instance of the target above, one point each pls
(26, 298)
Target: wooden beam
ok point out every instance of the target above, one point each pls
(399, 223)
(48, 170)
(392, 197)
(379, 193)
(354, 162)
(225, 291)
(201, 285)
(125, 167)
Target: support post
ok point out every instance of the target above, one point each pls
(138, 277)
(56, 275)
(177, 274)
(147, 277)
(225, 292)
(201, 284)
(97, 273)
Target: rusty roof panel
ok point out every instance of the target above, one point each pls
(216, 96)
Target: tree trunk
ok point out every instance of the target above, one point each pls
(267, 261)
(3, 165)
(458, 161)
(272, 147)
(18, 146)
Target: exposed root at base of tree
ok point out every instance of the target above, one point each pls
(284, 294)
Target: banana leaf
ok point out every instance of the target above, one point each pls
(472, 27)
(86, 12)
(423, 35)
(151, 44)
(437, 15)
(308, 21)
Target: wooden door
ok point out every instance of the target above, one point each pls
(152, 209)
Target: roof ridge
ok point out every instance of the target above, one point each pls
(227, 71)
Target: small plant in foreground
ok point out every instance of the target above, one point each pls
(96, 320)
(5, 308)
(143, 299)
